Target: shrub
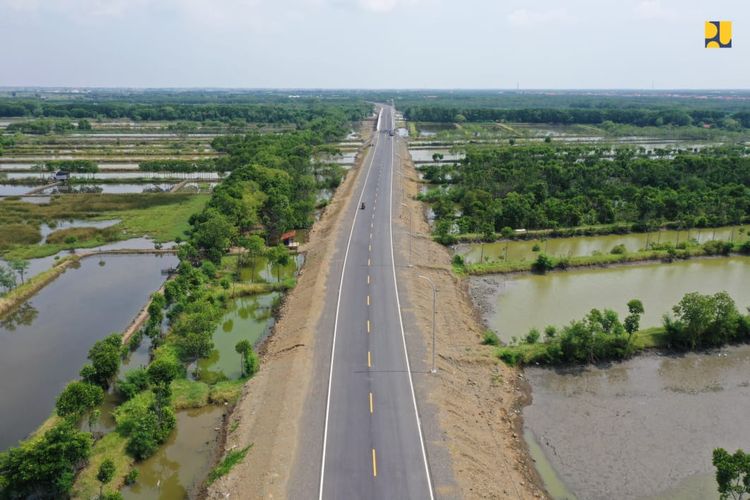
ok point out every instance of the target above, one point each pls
(135, 381)
(490, 338)
(618, 250)
(131, 477)
(458, 260)
(533, 336)
(77, 398)
(543, 264)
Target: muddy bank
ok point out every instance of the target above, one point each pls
(643, 428)
(477, 439)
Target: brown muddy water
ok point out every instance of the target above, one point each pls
(640, 429)
(44, 343)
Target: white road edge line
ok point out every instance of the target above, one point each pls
(338, 304)
(403, 335)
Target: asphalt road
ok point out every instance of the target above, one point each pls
(373, 445)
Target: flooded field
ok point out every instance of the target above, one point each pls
(16, 189)
(183, 462)
(640, 429)
(43, 344)
(587, 245)
(111, 188)
(557, 298)
(119, 175)
(425, 155)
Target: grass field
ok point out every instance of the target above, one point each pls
(162, 216)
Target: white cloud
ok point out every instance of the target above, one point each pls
(526, 17)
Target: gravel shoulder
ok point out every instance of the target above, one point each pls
(471, 408)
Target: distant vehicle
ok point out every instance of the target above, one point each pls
(61, 175)
(362, 206)
(391, 132)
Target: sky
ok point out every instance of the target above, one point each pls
(504, 44)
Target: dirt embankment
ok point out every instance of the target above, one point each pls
(478, 400)
(269, 412)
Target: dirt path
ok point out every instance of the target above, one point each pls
(270, 414)
(475, 400)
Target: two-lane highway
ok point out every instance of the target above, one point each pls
(372, 444)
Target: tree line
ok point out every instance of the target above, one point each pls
(292, 113)
(640, 117)
(696, 322)
(498, 189)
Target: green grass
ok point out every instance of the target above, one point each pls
(504, 267)
(189, 394)
(225, 466)
(227, 391)
(111, 446)
(161, 222)
(161, 216)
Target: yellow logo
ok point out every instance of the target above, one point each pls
(718, 34)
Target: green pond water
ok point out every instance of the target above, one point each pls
(518, 250)
(514, 304)
(248, 318)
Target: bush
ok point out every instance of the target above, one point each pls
(458, 260)
(717, 247)
(618, 250)
(533, 336)
(543, 264)
(135, 381)
(77, 398)
(45, 467)
(131, 477)
(490, 338)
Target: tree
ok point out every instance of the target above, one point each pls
(105, 474)
(77, 398)
(94, 418)
(44, 468)
(279, 255)
(242, 348)
(20, 266)
(732, 473)
(633, 320)
(7, 278)
(255, 247)
(105, 361)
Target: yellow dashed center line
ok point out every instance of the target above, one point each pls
(371, 404)
(369, 359)
(368, 326)
(374, 464)
(368, 300)
(369, 248)
(368, 279)
(368, 262)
